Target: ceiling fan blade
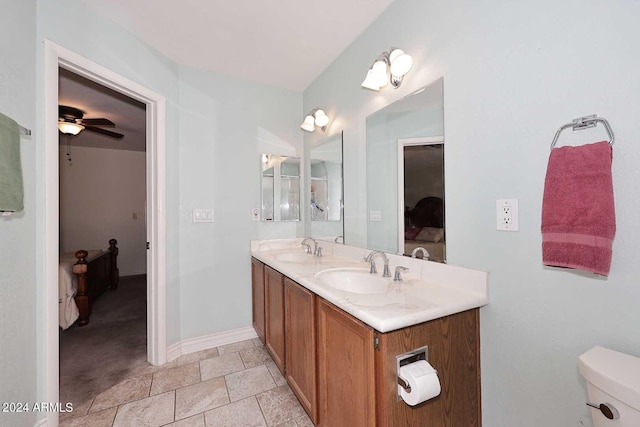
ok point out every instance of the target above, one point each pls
(104, 132)
(98, 122)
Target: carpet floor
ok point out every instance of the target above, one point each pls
(110, 348)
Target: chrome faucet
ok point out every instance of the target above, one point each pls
(425, 254)
(397, 277)
(373, 270)
(304, 243)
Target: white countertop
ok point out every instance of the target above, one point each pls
(429, 290)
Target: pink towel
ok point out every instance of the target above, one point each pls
(578, 213)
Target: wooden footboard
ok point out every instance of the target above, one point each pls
(95, 277)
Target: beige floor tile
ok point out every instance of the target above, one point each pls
(236, 346)
(152, 411)
(78, 411)
(257, 342)
(249, 382)
(197, 356)
(220, 366)
(244, 413)
(171, 379)
(195, 421)
(151, 369)
(255, 356)
(288, 424)
(200, 397)
(304, 421)
(128, 390)
(279, 405)
(275, 373)
(96, 419)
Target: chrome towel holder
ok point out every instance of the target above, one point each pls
(585, 122)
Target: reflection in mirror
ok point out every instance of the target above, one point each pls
(405, 202)
(280, 188)
(326, 189)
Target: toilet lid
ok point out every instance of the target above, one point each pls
(615, 373)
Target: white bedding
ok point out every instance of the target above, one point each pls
(67, 288)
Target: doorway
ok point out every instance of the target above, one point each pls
(421, 196)
(56, 56)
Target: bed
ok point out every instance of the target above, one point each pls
(82, 277)
(424, 227)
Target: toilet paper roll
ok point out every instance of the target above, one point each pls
(422, 379)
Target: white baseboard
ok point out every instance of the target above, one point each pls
(205, 342)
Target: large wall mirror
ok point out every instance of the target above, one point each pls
(280, 187)
(326, 189)
(405, 175)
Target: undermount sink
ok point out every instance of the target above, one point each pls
(295, 257)
(355, 280)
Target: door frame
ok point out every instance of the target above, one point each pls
(404, 142)
(57, 56)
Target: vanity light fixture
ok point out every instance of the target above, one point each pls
(389, 67)
(70, 128)
(316, 117)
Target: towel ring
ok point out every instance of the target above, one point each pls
(585, 123)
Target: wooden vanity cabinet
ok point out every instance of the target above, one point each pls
(300, 335)
(454, 351)
(357, 383)
(257, 293)
(344, 372)
(274, 316)
(346, 383)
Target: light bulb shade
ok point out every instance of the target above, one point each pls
(321, 118)
(370, 82)
(380, 73)
(308, 123)
(400, 62)
(70, 128)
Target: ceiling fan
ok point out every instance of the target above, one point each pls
(71, 121)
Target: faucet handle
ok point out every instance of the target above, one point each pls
(397, 277)
(318, 251)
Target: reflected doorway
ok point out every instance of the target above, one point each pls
(421, 197)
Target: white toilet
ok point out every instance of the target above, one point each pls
(613, 385)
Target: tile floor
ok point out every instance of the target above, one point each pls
(235, 385)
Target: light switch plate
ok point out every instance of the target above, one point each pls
(375, 216)
(203, 215)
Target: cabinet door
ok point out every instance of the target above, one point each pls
(300, 332)
(274, 316)
(257, 292)
(346, 392)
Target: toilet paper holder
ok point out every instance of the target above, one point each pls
(412, 356)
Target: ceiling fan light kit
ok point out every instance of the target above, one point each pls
(71, 121)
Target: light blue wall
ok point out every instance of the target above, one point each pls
(513, 73)
(17, 233)
(224, 124)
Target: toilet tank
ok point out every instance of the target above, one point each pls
(613, 378)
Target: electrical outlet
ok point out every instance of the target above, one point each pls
(255, 214)
(507, 214)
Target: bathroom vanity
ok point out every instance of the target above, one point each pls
(337, 348)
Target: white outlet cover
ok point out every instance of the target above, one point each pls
(507, 215)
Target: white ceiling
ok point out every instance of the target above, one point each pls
(283, 43)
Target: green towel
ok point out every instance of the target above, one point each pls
(11, 189)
